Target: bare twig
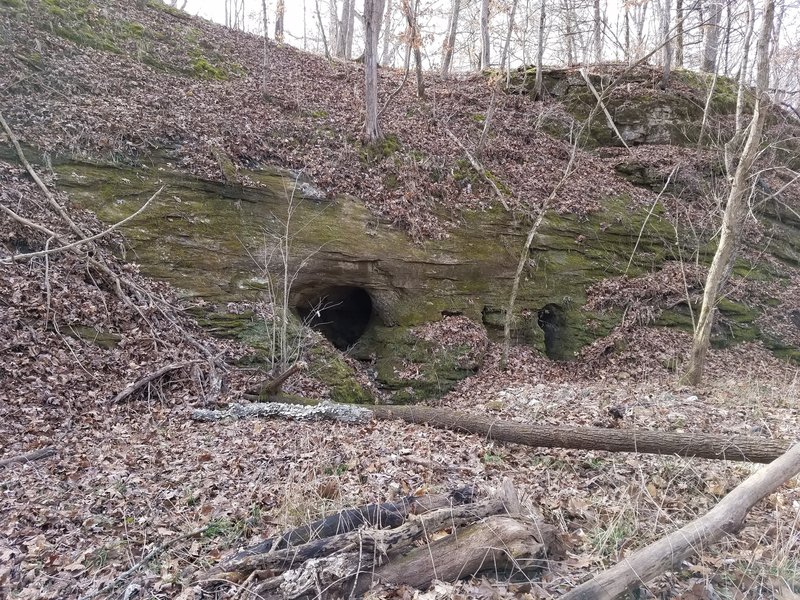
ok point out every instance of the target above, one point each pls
(647, 218)
(30, 456)
(523, 257)
(478, 167)
(136, 386)
(47, 193)
(116, 225)
(487, 123)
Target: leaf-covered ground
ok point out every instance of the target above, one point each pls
(128, 477)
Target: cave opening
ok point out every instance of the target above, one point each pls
(553, 322)
(340, 313)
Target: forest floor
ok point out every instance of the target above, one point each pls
(133, 475)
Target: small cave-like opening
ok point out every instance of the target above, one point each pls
(340, 313)
(553, 321)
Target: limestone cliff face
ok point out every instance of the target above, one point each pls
(366, 285)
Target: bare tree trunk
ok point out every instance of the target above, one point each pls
(679, 34)
(341, 29)
(351, 26)
(322, 31)
(569, 34)
(667, 56)
(744, 74)
(736, 208)
(450, 40)
(415, 41)
(727, 40)
(537, 86)
(727, 517)
(333, 26)
(266, 49)
(279, 10)
(628, 56)
(485, 51)
(505, 57)
(641, 20)
(598, 33)
(373, 12)
(387, 32)
(711, 46)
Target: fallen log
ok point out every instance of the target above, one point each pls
(380, 516)
(382, 540)
(29, 456)
(693, 444)
(726, 517)
(479, 535)
(500, 543)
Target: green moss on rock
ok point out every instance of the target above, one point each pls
(209, 239)
(202, 68)
(327, 365)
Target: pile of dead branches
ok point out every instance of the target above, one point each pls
(411, 542)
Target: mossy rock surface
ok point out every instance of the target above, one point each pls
(648, 115)
(329, 367)
(412, 368)
(213, 240)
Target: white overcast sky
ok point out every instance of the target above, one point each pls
(214, 10)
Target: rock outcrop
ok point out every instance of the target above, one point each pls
(367, 286)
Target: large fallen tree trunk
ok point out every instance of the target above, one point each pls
(319, 560)
(726, 517)
(701, 445)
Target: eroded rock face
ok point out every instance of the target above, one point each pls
(363, 284)
(641, 111)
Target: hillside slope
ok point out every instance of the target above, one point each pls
(167, 96)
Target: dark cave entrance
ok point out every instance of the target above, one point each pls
(553, 321)
(340, 313)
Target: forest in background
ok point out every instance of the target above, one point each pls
(461, 36)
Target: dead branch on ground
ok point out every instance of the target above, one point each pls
(602, 104)
(727, 517)
(29, 456)
(148, 379)
(81, 242)
(126, 289)
(698, 444)
(348, 553)
(273, 386)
